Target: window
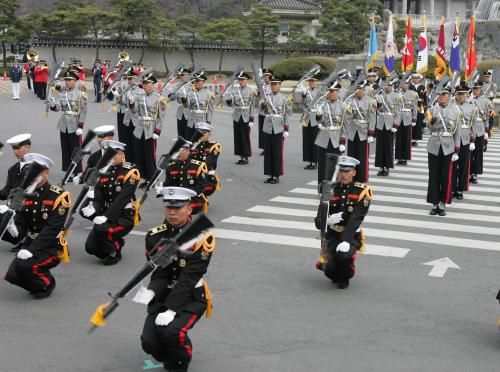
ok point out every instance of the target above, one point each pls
(283, 29)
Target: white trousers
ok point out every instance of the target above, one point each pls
(16, 89)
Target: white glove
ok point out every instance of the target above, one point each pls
(394, 130)
(79, 132)
(321, 127)
(12, 229)
(90, 194)
(23, 254)
(334, 219)
(285, 134)
(472, 147)
(343, 247)
(370, 139)
(143, 296)
(77, 179)
(454, 157)
(155, 136)
(3, 209)
(486, 136)
(99, 220)
(158, 188)
(89, 210)
(164, 319)
(319, 111)
(250, 124)
(342, 148)
(413, 123)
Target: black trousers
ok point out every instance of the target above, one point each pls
(42, 90)
(241, 134)
(403, 142)
(261, 131)
(124, 136)
(69, 141)
(360, 150)
(384, 154)
(36, 88)
(145, 156)
(273, 154)
(170, 344)
(340, 267)
(309, 151)
(106, 239)
(97, 90)
(130, 152)
(182, 128)
(461, 170)
(418, 129)
(440, 171)
(476, 164)
(321, 158)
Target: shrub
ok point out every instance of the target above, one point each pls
(293, 68)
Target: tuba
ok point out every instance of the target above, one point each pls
(123, 56)
(33, 54)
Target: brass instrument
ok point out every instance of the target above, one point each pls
(33, 54)
(123, 56)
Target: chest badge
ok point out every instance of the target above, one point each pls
(45, 215)
(118, 188)
(350, 209)
(191, 182)
(182, 262)
(61, 210)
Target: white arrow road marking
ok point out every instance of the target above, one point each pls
(439, 267)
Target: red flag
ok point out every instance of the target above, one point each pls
(407, 60)
(470, 58)
(440, 68)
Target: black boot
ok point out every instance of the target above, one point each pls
(434, 210)
(343, 285)
(460, 195)
(46, 293)
(380, 172)
(442, 211)
(268, 180)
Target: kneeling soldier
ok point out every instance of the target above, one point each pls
(177, 295)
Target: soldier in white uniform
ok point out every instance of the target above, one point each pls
(489, 91)
(409, 112)
(182, 112)
(201, 103)
(309, 124)
(266, 74)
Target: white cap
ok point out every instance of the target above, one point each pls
(202, 126)
(176, 196)
(33, 157)
(113, 144)
(16, 140)
(347, 163)
(417, 76)
(372, 74)
(104, 129)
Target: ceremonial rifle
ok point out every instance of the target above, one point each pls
(119, 75)
(257, 76)
(352, 90)
(230, 83)
(325, 84)
(170, 76)
(162, 255)
(136, 81)
(77, 156)
(189, 80)
(54, 75)
(445, 80)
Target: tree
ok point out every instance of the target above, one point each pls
(225, 31)
(168, 32)
(263, 28)
(298, 38)
(12, 29)
(189, 29)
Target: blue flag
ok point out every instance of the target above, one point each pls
(455, 50)
(372, 45)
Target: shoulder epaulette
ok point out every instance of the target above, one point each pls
(64, 200)
(84, 94)
(207, 243)
(157, 229)
(134, 176)
(216, 147)
(203, 168)
(56, 189)
(366, 193)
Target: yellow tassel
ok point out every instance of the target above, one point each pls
(137, 218)
(304, 124)
(114, 108)
(97, 318)
(64, 253)
(362, 248)
(217, 186)
(429, 116)
(205, 207)
(208, 297)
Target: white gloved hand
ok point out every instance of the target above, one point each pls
(321, 127)
(370, 139)
(143, 296)
(90, 194)
(23, 254)
(319, 111)
(394, 130)
(334, 219)
(3, 209)
(155, 136)
(342, 148)
(285, 134)
(486, 136)
(89, 210)
(77, 179)
(12, 229)
(79, 132)
(250, 124)
(164, 319)
(343, 247)
(472, 147)
(454, 157)
(99, 220)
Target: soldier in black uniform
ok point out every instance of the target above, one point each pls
(208, 152)
(21, 145)
(39, 224)
(113, 210)
(348, 208)
(177, 295)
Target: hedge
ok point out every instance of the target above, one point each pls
(293, 68)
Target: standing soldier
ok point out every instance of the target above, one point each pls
(332, 135)
(490, 92)
(16, 75)
(309, 124)
(113, 210)
(27, 73)
(419, 87)
(408, 120)
(360, 130)
(266, 75)
(200, 102)
(121, 107)
(97, 74)
(371, 85)
(242, 99)
(182, 113)
(178, 294)
(347, 209)
(38, 225)
(150, 107)
(444, 122)
(278, 111)
(73, 104)
(388, 119)
(131, 118)
(460, 176)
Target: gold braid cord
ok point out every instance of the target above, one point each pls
(64, 201)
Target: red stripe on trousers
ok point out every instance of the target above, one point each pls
(154, 149)
(411, 138)
(367, 163)
(468, 173)
(111, 231)
(282, 156)
(182, 334)
(448, 190)
(44, 263)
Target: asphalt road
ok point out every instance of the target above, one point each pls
(273, 310)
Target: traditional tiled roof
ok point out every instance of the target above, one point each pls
(304, 5)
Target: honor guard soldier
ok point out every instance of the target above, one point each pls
(178, 294)
(348, 207)
(113, 210)
(266, 75)
(131, 118)
(360, 129)
(371, 85)
(151, 109)
(460, 175)
(182, 113)
(489, 91)
(121, 106)
(309, 124)
(419, 87)
(278, 112)
(191, 174)
(73, 104)
(241, 98)
(201, 103)
(332, 135)
(388, 118)
(208, 152)
(38, 225)
(484, 107)
(21, 145)
(444, 121)
(408, 120)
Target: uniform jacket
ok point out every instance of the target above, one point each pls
(277, 121)
(468, 120)
(333, 118)
(262, 111)
(362, 119)
(151, 110)
(309, 116)
(409, 108)
(484, 107)
(182, 93)
(16, 74)
(208, 152)
(14, 177)
(73, 104)
(201, 104)
(41, 75)
(389, 110)
(439, 118)
(242, 99)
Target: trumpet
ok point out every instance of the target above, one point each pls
(33, 54)
(123, 56)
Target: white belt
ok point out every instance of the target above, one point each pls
(465, 127)
(72, 113)
(273, 115)
(200, 283)
(361, 121)
(406, 110)
(331, 129)
(212, 172)
(244, 107)
(386, 113)
(479, 119)
(147, 118)
(441, 134)
(198, 111)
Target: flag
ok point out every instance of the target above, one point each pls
(389, 50)
(372, 45)
(422, 58)
(455, 50)
(407, 59)
(470, 57)
(440, 68)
